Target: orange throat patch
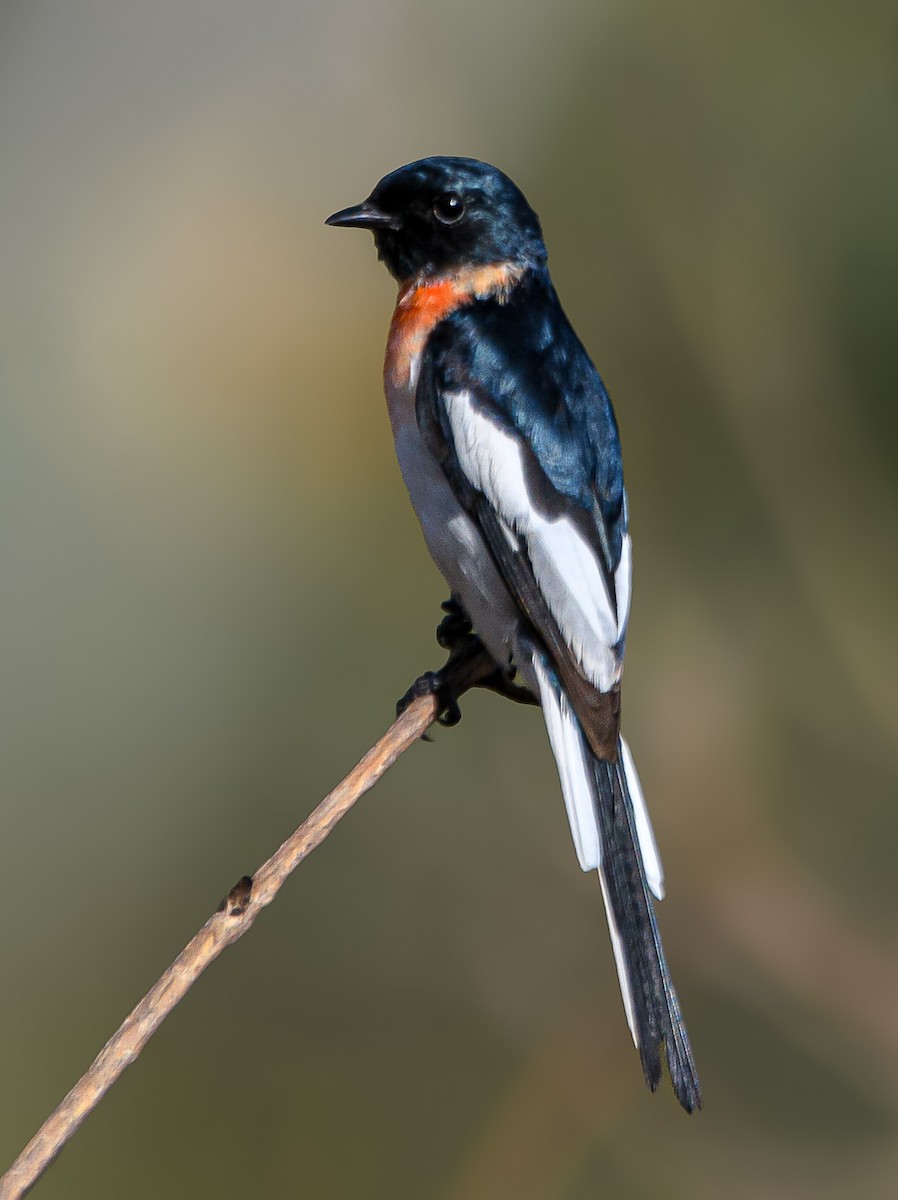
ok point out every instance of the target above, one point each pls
(422, 304)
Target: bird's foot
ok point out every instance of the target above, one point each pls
(455, 626)
(502, 683)
(469, 665)
(433, 683)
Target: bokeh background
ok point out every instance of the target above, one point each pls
(213, 590)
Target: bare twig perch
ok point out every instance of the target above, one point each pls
(233, 918)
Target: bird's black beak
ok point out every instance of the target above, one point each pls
(364, 216)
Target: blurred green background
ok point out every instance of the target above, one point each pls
(213, 590)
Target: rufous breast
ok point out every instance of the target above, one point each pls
(423, 304)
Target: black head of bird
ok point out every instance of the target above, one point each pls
(438, 215)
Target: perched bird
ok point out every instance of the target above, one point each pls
(509, 449)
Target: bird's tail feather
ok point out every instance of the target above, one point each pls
(612, 833)
(656, 1021)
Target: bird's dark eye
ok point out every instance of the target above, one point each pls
(449, 209)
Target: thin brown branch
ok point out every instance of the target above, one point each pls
(233, 918)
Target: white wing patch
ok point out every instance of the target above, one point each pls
(564, 564)
(573, 770)
(623, 582)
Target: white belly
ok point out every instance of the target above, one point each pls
(456, 545)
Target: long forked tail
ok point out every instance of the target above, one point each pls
(612, 833)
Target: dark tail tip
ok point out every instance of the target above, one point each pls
(684, 1079)
(677, 1064)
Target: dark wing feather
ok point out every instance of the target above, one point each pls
(551, 400)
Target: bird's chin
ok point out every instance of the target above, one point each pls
(391, 255)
